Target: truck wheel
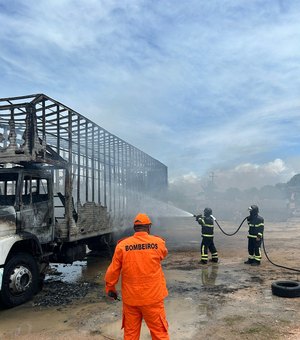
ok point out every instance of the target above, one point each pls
(287, 289)
(20, 280)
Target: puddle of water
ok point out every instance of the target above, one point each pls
(23, 320)
(209, 275)
(90, 269)
(184, 314)
(69, 273)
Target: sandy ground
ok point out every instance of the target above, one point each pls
(228, 300)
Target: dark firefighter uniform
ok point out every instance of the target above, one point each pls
(207, 231)
(255, 235)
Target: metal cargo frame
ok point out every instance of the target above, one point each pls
(105, 169)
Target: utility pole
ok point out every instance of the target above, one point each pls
(212, 175)
(211, 186)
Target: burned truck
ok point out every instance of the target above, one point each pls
(67, 186)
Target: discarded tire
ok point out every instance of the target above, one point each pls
(289, 289)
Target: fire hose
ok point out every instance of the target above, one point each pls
(263, 243)
(224, 231)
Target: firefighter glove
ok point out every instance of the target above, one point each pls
(198, 217)
(113, 295)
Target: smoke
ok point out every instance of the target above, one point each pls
(243, 176)
(230, 191)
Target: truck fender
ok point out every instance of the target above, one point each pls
(28, 236)
(6, 244)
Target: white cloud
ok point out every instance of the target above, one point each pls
(191, 177)
(247, 175)
(277, 167)
(243, 176)
(198, 86)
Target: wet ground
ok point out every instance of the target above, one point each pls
(228, 300)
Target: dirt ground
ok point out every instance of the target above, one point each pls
(228, 300)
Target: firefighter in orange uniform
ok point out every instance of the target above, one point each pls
(138, 260)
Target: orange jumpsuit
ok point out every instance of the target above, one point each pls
(138, 260)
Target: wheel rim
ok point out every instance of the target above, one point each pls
(20, 280)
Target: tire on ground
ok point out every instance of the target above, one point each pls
(289, 289)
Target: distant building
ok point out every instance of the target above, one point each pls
(293, 189)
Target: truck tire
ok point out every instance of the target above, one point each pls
(20, 280)
(289, 289)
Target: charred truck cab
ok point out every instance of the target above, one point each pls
(64, 183)
(26, 225)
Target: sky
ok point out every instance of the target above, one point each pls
(206, 87)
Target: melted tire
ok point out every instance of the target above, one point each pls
(10, 298)
(289, 289)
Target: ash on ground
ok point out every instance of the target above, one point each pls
(58, 293)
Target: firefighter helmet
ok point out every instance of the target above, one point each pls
(253, 209)
(207, 212)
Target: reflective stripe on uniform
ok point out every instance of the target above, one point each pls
(258, 257)
(256, 225)
(1, 276)
(202, 251)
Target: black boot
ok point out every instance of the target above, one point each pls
(249, 261)
(203, 262)
(215, 260)
(255, 263)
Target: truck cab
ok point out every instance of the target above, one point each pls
(26, 203)
(26, 223)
